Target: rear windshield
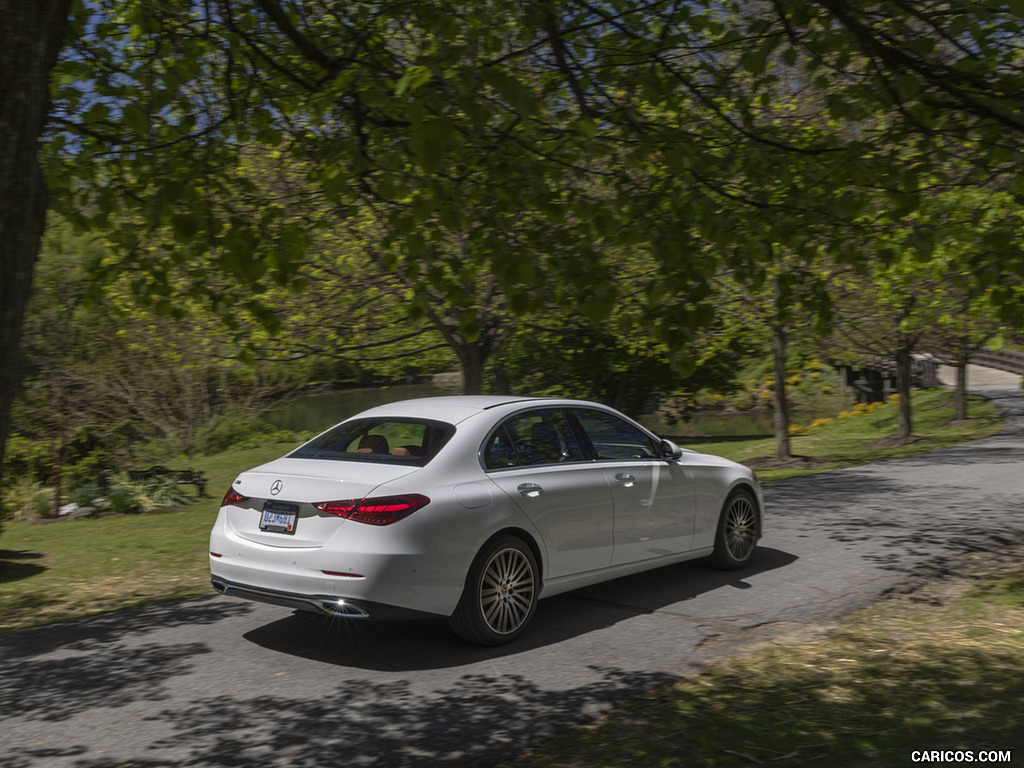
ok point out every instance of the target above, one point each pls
(383, 440)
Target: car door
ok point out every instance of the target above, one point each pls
(652, 499)
(535, 458)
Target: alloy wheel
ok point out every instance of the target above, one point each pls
(507, 590)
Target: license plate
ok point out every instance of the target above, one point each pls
(279, 518)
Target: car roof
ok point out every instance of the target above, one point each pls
(456, 408)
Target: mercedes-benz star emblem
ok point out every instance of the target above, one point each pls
(276, 488)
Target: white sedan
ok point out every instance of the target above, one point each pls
(473, 508)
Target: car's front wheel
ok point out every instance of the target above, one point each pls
(738, 531)
(501, 593)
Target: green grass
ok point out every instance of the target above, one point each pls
(851, 441)
(69, 569)
(64, 570)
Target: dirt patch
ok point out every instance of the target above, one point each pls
(792, 462)
(744, 643)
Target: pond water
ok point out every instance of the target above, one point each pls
(316, 412)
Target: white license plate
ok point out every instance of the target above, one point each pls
(278, 521)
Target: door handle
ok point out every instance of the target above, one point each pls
(625, 479)
(530, 489)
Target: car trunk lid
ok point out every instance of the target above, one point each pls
(278, 509)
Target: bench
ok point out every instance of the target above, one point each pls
(180, 476)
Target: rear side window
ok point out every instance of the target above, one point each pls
(385, 441)
(534, 437)
(613, 438)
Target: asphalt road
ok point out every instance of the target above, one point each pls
(215, 681)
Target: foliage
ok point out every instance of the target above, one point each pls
(28, 499)
(233, 430)
(499, 158)
(127, 495)
(85, 495)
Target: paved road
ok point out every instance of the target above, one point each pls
(218, 682)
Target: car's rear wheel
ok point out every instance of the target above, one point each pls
(738, 531)
(501, 592)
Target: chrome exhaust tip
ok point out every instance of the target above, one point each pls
(343, 608)
(219, 586)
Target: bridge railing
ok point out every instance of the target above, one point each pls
(1002, 360)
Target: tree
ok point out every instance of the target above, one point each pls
(422, 108)
(30, 39)
(884, 312)
(974, 222)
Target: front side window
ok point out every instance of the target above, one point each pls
(532, 438)
(382, 440)
(613, 438)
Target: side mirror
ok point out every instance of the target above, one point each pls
(670, 450)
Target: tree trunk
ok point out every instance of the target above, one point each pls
(30, 38)
(472, 356)
(903, 388)
(960, 396)
(780, 418)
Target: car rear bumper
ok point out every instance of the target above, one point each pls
(331, 605)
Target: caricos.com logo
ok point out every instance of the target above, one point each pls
(960, 756)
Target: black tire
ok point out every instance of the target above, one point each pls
(739, 528)
(501, 593)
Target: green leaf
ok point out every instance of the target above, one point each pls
(185, 226)
(136, 119)
(586, 127)
(413, 79)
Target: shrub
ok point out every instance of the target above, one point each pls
(127, 495)
(84, 495)
(28, 499)
(236, 431)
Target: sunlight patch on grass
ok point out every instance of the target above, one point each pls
(853, 441)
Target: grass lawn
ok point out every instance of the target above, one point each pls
(58, 571)
(849, 441)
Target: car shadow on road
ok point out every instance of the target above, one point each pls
(402, 646)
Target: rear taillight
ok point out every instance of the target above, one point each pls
(232, 497)
(383, 510)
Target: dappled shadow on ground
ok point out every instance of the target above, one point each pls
(17, 564)
(105, 661)
(906, 509)
(96, 632)
(895, 522)
(57, 689)
(62, 674)
(479, 720)
(419, 645)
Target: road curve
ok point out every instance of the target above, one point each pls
(217, 682)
